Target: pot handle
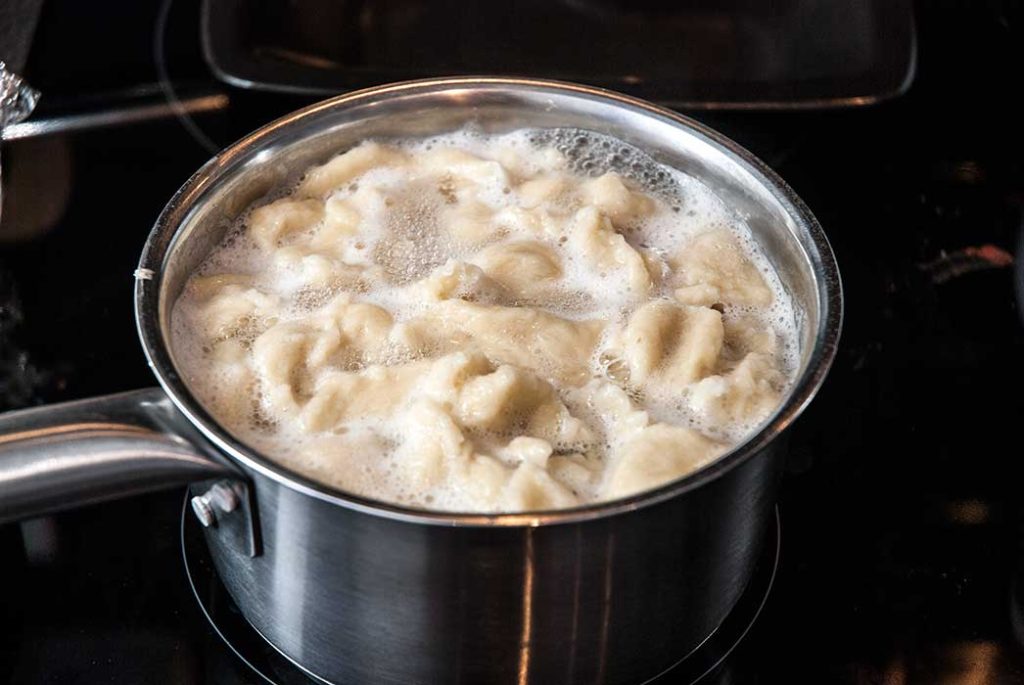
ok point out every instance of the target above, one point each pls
(74, 453)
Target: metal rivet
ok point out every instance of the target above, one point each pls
(203, 511)
(223, 496)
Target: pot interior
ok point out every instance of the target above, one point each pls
(198, 217)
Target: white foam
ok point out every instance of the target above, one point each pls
(406, 238)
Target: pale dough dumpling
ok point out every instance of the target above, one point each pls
(525, 267)
(531, 338)
(292, 357)
(270, 224)
(347, 167)
(513, 399)
(459, 281)
(531, 488)
(279, 359)
(543, 190)
(644, 454)
(439, 450)
(593, 236)
(711, 268)
(746, 393)
(609, 194)
(744, 334)
(656, 455)
(670, 344)
(229, 309)
(432, 439)
(466, 168)
(469, 223)
(345, 396)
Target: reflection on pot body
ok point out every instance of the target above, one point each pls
(616, 599)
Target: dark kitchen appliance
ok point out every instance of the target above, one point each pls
(708, 54)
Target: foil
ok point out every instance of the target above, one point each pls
(17, 98)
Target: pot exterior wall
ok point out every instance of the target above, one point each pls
(356, 597)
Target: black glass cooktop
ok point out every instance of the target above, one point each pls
(901, 512)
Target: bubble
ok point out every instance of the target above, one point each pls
(404, 238)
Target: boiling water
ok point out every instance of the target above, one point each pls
(403, 239)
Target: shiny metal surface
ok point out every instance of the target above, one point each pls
(220, 497)
(198, 215)
(203, 511)
(68, 455)
(618, 599)
(129, 114)
(358, 590)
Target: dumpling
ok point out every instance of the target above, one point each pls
(539, 162)
(432, 438)
(525, 268)
(644, 455)
(542, 190)
(365, 328)
(343, 396)
(304, 269)
(609, 194)
(279, 359)
(448, 375)
(461, 281)
(340, 224)
(513, 399)
(529, 338)
(622, 418)
(270, 224)
(483, 479)
(529, 223)
(501, 399)
(346, 167)
(745, 334)
(436, 450)
(291, 357)
(592, 235)
(576, 472)
(531, 488)
(712, 268)
(464, 166)
(656, 455)
(747, 393)
(469, 223)
(526, 449)
(670, 343)
(232, 309)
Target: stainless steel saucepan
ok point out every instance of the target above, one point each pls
(355, 590)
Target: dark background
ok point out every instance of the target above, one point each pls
(901, 512)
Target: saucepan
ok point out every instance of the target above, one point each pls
(356, 590)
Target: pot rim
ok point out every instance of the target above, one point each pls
(158, 246)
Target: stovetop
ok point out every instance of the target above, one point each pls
(901, 558)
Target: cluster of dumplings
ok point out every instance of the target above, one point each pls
(474, 323)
